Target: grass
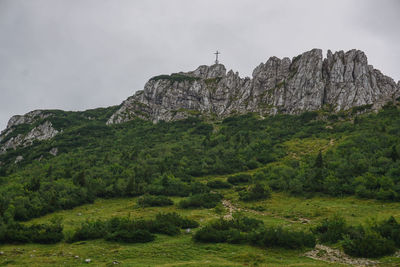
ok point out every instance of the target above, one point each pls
(180, 250)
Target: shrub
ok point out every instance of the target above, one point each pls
(256, 191)
(243, 229)
(368, 244)
(239, 178)
(209, 200)
(132, 231)
(280, 237)
(89, 230)
(171, 223)
(199, 188)
(218, 184)
(154, 201)
(37, 233)
(331, 230)
(213, 235)
(389, 229)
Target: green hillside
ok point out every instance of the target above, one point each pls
(111, 183)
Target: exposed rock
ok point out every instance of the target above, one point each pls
(88, 260)
(305, 83)
(41, 132)
(54, 151)
(328, 254)
(44, 131)
(18, 159)
(28, 118)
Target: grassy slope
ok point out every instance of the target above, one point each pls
(181, 250)
(281, 209)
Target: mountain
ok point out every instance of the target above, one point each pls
(308, 82)
(302, 143)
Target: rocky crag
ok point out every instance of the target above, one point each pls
(305, 83)
(308, 82)
(43, 131)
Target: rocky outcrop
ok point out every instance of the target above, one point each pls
(307, 82)
(41, 132)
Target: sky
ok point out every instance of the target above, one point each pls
(77, 55)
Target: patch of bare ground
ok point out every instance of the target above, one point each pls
(324, 253)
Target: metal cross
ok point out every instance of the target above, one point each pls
(216, 57)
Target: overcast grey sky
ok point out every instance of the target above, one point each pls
(75, 55)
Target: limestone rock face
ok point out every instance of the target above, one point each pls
(350, 81)
(43, 131)
(305, 83)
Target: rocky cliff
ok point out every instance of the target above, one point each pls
(38, 129)
(304, 83)
(307, 82)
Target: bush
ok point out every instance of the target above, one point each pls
(37, 233)
(89, 230)
(230, 231)
(218, 184)
(331, 230)
(132, 231)
(154, 201)
(389, 229)
(242, 229)
(199, 188)
(280, 237)
(256, 191)
(171, 223)
(209, 200)
(212, 235)
(368, 244)
(239, 178)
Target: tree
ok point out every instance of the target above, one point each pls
(130, 186)
(319, 163)
(80, 179)
(394, 154)
(34, 184)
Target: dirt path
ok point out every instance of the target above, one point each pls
(324, 253)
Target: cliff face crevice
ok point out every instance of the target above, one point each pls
(305, 83)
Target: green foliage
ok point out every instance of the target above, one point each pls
(175, 77)
(239, 178)
(218, 184)
(281, 237)
(138, 157)
(374, 240)
(368, 244)
(154, 201)
(255, 191)
(242, 229)
(124, 229)
(331, 230)
(14, 232)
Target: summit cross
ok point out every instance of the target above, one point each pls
(216, 57)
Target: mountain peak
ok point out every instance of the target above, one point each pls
(306, 82)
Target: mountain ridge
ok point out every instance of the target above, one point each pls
(307, 82)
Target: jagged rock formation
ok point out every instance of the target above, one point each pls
(43, 131)
(305, 83)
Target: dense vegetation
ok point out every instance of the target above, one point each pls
(361, 158)
(242, 229)
(374, 240)
(129, 230)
